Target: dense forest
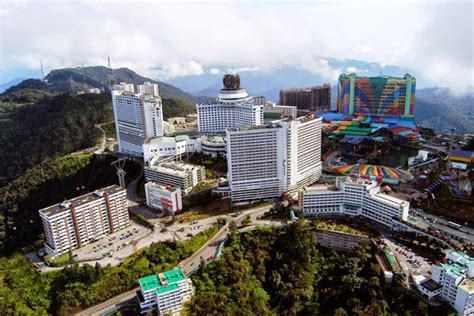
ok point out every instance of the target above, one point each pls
(52, 126)
(23, 291)
(282, 271)
(176, 107)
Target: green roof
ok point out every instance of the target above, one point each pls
(453, 269)
(162, 282)
(167, 288)
(174, 276)
(149, 282)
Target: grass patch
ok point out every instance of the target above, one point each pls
(338, 227)
(59, 261)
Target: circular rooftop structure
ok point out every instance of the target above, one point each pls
(232, 91)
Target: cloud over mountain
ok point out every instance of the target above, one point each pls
(169, 39)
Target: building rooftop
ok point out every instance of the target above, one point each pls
(163, 187)
(431, 285)
(167, 288)
(163, 282)
(454, 269)
(149, 283)
(460, 258)
(77, 201)
(171, 167)
(322, 188)
(214, 139)
(390, 199)
(166, 139)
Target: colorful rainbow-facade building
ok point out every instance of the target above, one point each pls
(381, 96)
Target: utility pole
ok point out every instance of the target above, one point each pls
(119, 164)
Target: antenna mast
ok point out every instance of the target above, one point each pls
(111, 75)
(84, 85)
(42, 70)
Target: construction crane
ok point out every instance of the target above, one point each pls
(119, 164)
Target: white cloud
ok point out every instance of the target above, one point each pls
(351, 69)
(170, 39)
(214, 71)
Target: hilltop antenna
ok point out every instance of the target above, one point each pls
(119, 164)
(42, 70)
(111, 75)
(84, 85)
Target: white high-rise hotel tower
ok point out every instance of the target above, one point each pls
(266, 161)
(233, 108)
(138, 116)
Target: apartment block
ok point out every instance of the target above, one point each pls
(352, 197)
(165, 198)
(81, 220)
(165, 292)
(455, 278)
(183, 175)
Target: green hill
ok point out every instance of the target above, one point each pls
(54, 125)
(72, 80)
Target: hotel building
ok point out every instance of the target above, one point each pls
(265, 161)
(381, 96)
(76, 222)
(165, 292)
(453, 282)
(138, 116)
(232, 108)
(313, 99)
(353, 197)
(165, 198)
(183, 175)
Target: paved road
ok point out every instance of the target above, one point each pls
(107, 305)
(192, 262)
(465, 232)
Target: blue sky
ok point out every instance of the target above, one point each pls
(176, 38)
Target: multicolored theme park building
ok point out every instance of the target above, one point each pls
(381, 96)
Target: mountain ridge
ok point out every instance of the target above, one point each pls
(71, 80)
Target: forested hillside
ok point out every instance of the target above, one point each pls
(176, 107)
(73, 79)
(54, 125)
(282, 271)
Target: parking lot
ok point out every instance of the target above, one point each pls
(410, 262)
(112, 243)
